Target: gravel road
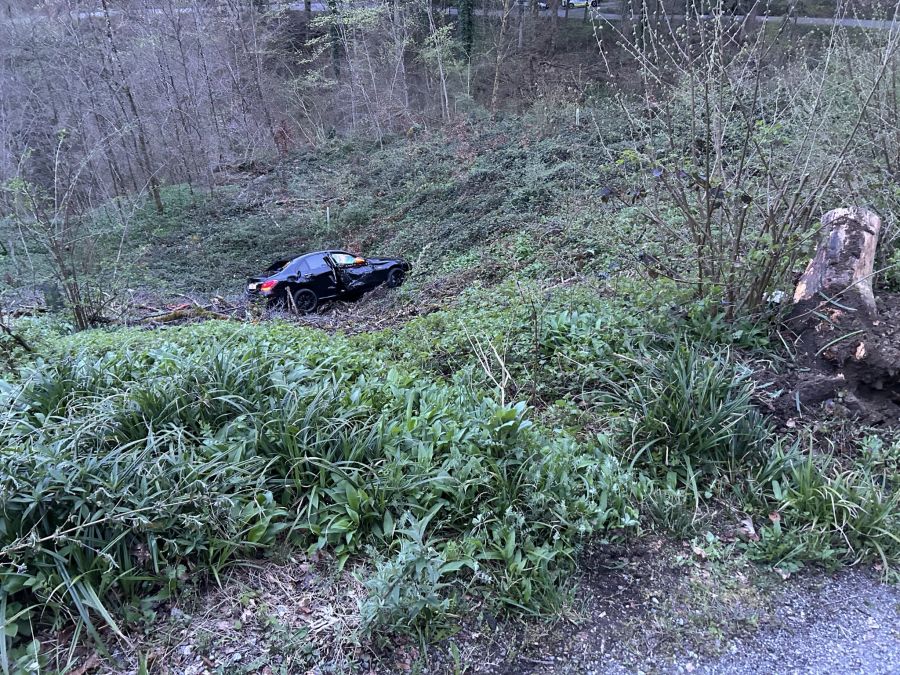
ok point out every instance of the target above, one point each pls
(822, 624)
(843, 624)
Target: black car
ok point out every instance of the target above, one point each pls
(303, 282)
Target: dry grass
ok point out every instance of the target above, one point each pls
(266, 617)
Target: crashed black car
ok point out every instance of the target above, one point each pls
(304, 282)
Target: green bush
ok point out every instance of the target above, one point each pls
(891, 279)
(674, 511)
(40, 333)
(815, 508)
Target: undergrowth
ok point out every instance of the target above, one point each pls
(121, 471)
(466, 460)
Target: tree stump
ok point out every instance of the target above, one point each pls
(843, 265)
(848, 356)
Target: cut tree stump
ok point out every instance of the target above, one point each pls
(848, 356)
(842, 268)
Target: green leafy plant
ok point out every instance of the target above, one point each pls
(674, 511)
(121, 472)
(413, 589)
(727, 162)
(891, 277)
(816, 509)
(685, 411)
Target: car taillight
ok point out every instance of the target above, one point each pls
(267, 286)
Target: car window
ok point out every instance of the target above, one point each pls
(314, 264)
(341, 259)
(277, 266)
(296, 266)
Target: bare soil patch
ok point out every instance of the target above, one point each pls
(846, 367)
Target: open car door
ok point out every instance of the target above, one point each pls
(353, 273)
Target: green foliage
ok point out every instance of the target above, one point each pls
(817, 508)
(731, 169)
(708, 548)
(673, 511)
(881, 458)
(891, 278)
(685, 411)
(41, 334)
(452, 196)
(575, 349)
(356, 215)
(707, 323)
(122, 469)
(413, 588)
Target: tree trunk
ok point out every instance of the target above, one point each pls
(842, 267)
(439, 48)
(501, 48)
(849, 356)
(144, 156)
(554, 24)
(467, 26)
(521, 41)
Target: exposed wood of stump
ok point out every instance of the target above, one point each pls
(842, 267)
(852, 357)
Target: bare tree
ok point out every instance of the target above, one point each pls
(735, 152)
(501, 49)
(54, 220)
(141, 133)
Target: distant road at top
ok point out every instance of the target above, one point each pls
(573, 14)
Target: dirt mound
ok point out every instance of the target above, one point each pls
(847, 364)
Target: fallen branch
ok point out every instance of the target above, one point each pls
(186, 313)
(16, 338)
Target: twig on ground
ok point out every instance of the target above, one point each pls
(16, 338)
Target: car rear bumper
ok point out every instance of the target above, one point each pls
(252, 289)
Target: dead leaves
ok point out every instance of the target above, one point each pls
(92, 662)
(747, 530)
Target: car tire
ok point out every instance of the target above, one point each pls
(305, 300)
(394, 278)
(595, 3)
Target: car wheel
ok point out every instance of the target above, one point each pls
(305, 300)
(394, 278)
(595, 3)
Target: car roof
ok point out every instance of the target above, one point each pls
(312, 253)
(330, 250)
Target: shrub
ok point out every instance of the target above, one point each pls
(38, 333)
(674, 511)
(576, 348)
(740, 143)
(816, 508)
(892, 271)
